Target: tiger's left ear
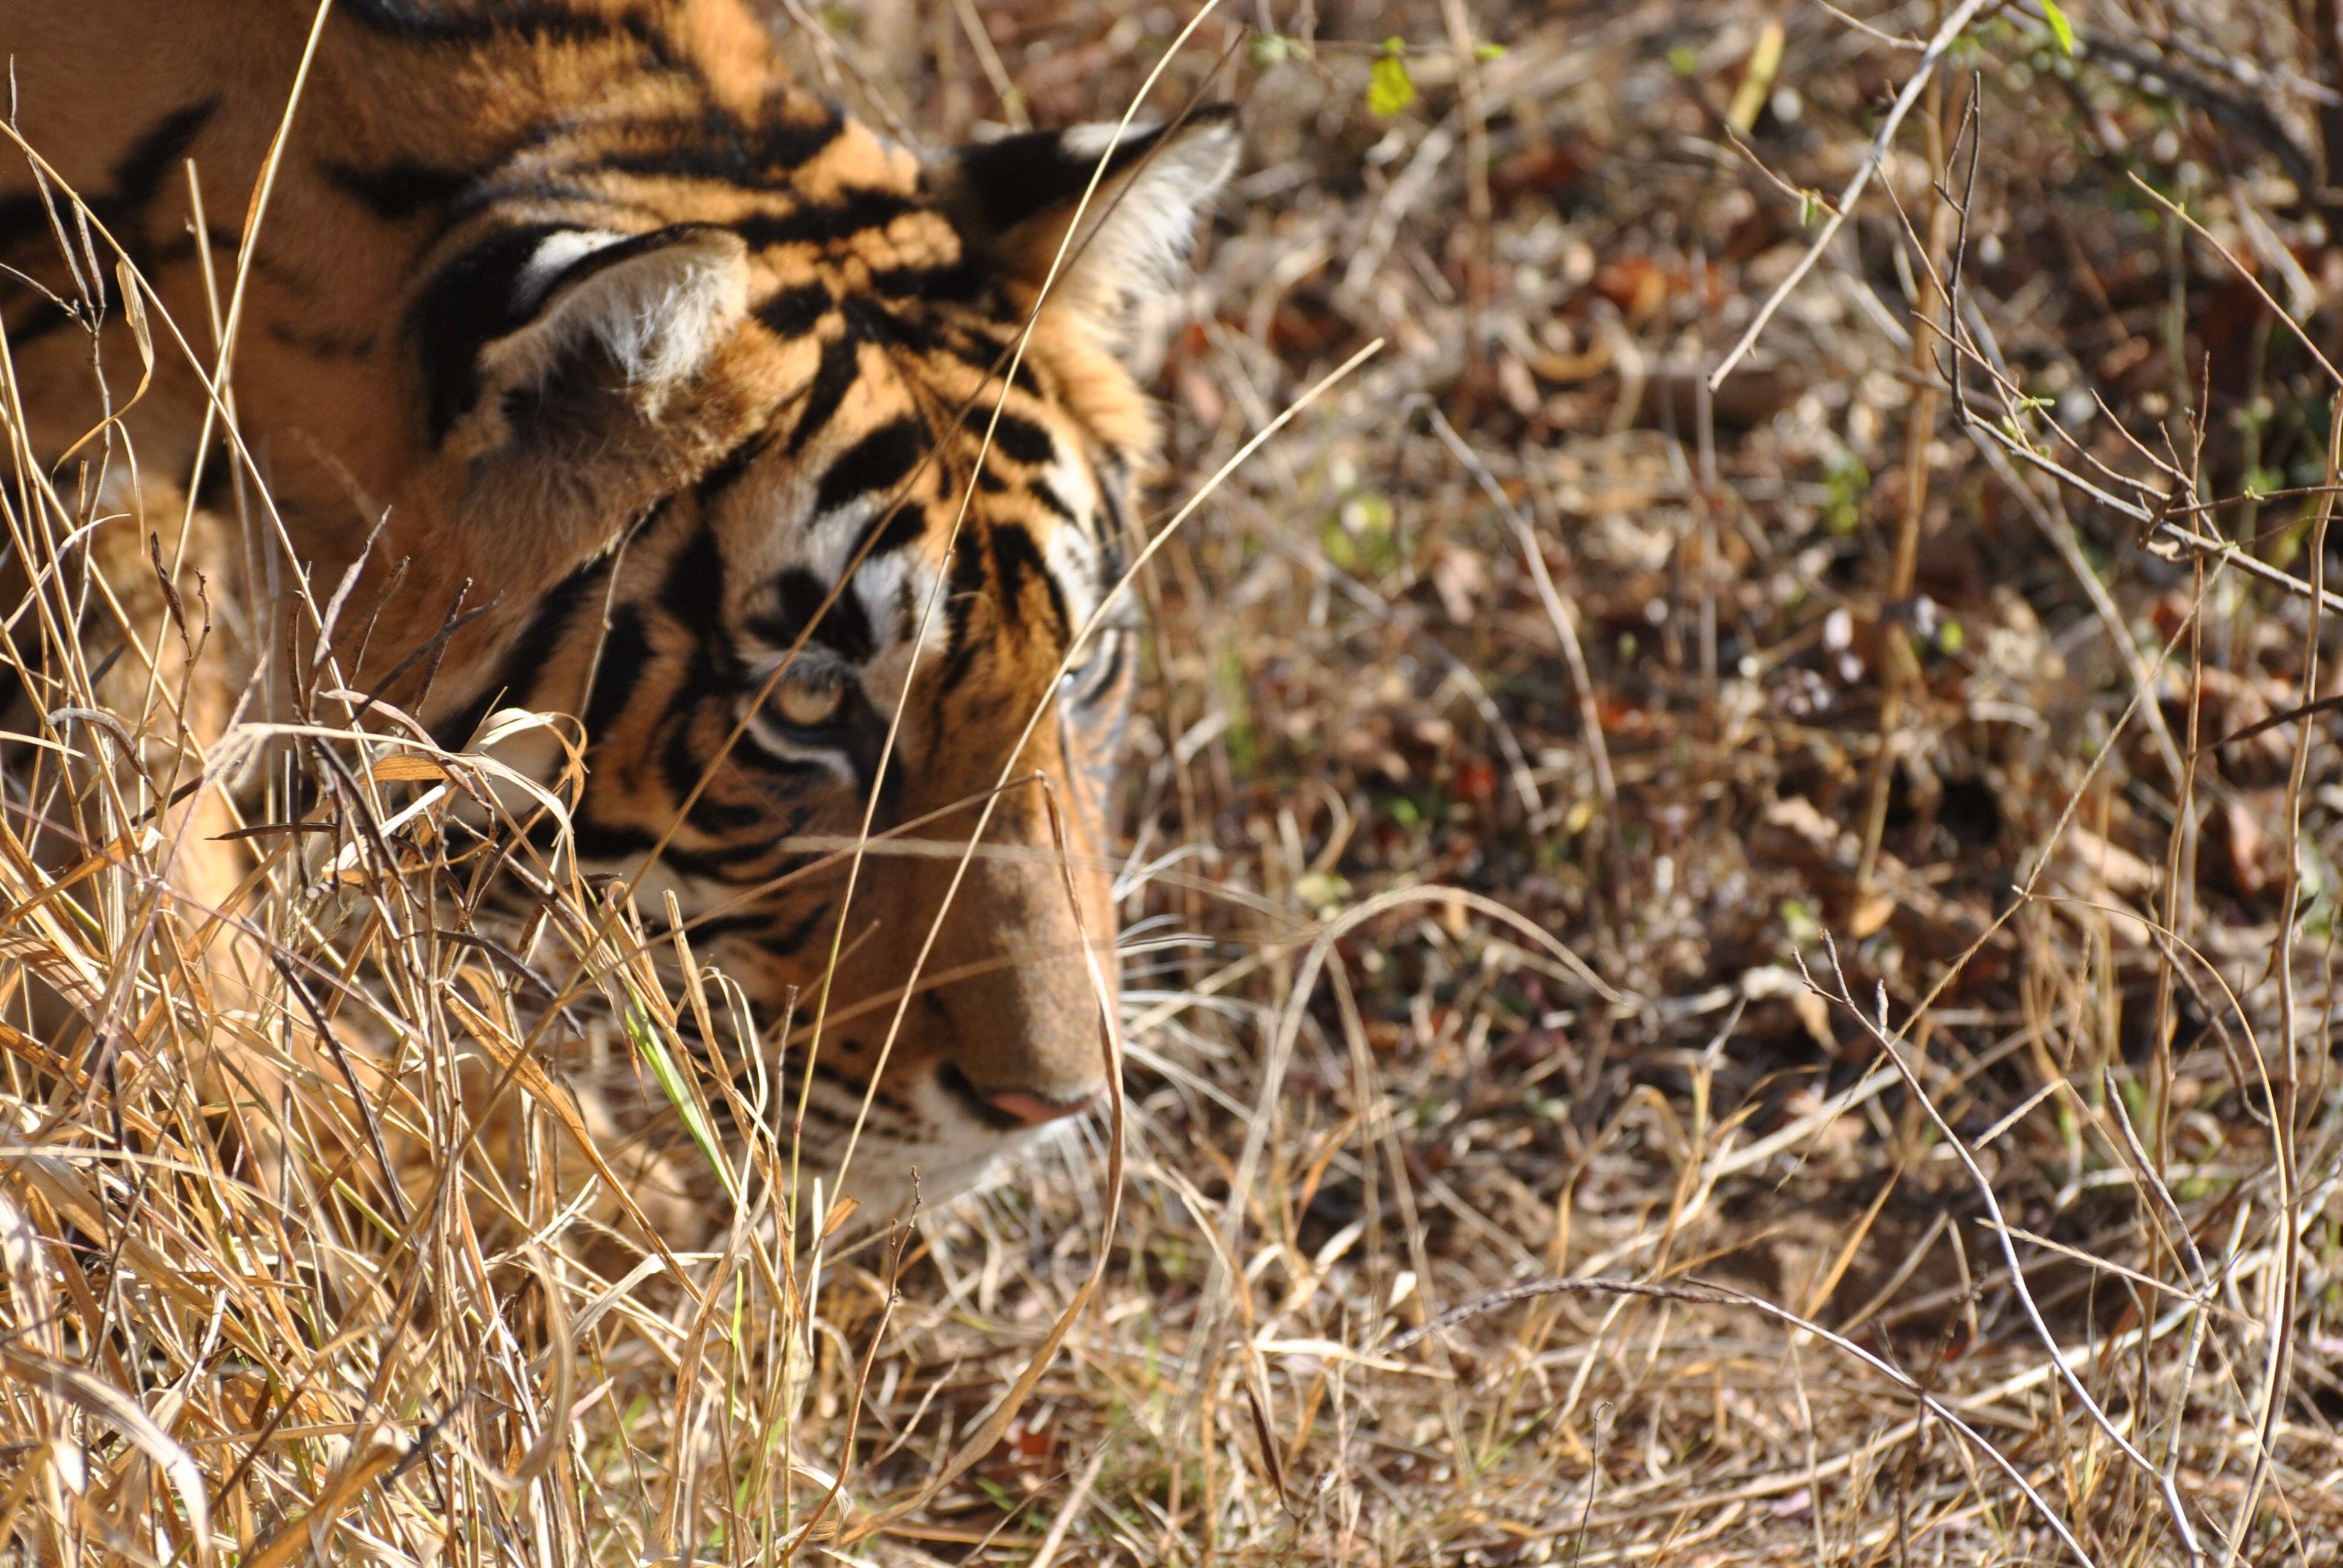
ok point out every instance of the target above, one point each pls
(1018, 203)
(544, 336)
(564, 388)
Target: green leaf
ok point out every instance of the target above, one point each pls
(654, 1053)
(1390, 88)
(2060, 28)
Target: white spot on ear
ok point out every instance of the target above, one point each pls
(1092, 140)
(557, 255)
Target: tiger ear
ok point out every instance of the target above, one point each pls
(1019, 203)
(547, 329)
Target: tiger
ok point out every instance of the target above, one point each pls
(628, 380)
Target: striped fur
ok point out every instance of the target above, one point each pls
(686, 378)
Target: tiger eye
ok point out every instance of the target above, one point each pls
(809, 707)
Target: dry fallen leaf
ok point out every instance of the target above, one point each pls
(1871, 911)
(1461, 577)
(2252, 857)
(407, 767)
(2116, 869)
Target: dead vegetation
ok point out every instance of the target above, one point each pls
(1719, 973)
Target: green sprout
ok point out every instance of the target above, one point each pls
(1390, 88)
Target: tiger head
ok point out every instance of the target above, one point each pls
(853, 535)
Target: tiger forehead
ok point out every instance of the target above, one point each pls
(878, 483)
(848, 250)
(817, 198)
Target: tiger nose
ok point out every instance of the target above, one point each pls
(1028, 1109)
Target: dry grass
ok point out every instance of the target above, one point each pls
(1934, 1160)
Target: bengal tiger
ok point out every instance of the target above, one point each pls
(693, 407)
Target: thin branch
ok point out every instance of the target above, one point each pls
(1955, 24)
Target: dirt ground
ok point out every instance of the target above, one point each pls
(1766, 717)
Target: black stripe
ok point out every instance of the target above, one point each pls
(967, 586)
(842, 360)
(401, 190)
(139, 173)
(827, 224)
(777, 767)
(21, 217)
(719, 146)
(614, 842)
(437, 23)
(692, 590)
(762, 921)
(966, 340)
(1022, 439)
(794, 312)
(525, 658)
(1016, 557)
(133, 183)
(873, 466)
(603, 257)
(626, 654)
(960, 282)
(607, 841)
(1110, 496)
(322, 345)
(404, 18)
(711, 927)
(727, 867)
(467, 305)
(1103, 678)
(844, 628)
(918, 333)
(680, 764)
(810, 1109)
(782, 944)
(823, 1073)
(535, 189)
(718, 818)
(898, 529)
(43, 319)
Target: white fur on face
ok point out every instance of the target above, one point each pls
(557, 255)
(1074, 559)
